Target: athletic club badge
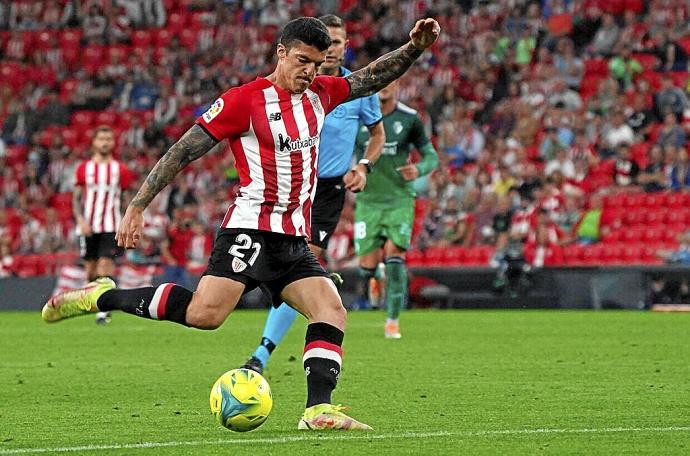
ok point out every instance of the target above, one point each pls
(214, 110)
(238, 265)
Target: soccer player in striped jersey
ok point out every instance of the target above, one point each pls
(336, 146)
(96, 200)
(273, 126)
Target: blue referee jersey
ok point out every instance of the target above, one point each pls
(339, 132)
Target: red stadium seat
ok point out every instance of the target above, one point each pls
(70, 38)
(12, 74)
(162, 37)
(612, 253)
(16, 154)
(653, 78)
(653, 235)
(634, 201)
(189, 38)
(655, 215)
(654, 200)
(631, 234)
(142, 38)
(414, 258)
(93, 57)
(176, 22)
(676, 200)
(109, 118)
(453, 256)
(680, 78)
(633, 254)
(71, 137)
(572, 254)
(613, 236)
(649, 62)
(633, 217)
(120, 50)
(671, 236)
(434, 256)
(614, 201)
(83, 118)
(61, 200)
(43, 39)
(591, 255)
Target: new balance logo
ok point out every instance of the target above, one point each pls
(274, 116)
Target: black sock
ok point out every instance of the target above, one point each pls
(165, 302)
(365, 275)
(322, 360)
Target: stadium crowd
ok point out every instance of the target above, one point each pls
(561, 125)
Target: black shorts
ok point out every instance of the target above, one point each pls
(263, 259)
(99, 245)
(325, 212)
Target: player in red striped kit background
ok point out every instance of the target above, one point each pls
(96, 204)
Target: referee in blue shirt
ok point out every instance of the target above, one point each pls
(335, 176)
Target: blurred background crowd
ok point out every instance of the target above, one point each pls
(561, 124)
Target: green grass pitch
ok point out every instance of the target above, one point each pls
(459, 382)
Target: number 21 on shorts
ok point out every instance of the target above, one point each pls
(239, 251)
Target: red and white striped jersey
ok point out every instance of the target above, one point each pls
(103, 184)
(274, 136)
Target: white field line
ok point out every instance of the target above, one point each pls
(336, 437)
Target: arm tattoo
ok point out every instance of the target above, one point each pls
(76, 202)
(381, 72)
(192, 145)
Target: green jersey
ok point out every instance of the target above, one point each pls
(404, 132)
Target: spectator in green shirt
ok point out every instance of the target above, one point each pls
(624, 67)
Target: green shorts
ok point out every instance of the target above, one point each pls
(374, 224)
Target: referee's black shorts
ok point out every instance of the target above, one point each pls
(325, 212)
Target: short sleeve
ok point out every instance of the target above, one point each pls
(417, 134)
(228, 116)
(80, 175)
(370, 110)
(336, 89)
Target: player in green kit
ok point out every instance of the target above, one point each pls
(384, 214)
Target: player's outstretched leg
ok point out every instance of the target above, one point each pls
(277, 325)
(317, 299)
(165, 302)
(206, 308)
(396, 295)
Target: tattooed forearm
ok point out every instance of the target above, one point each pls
(381, 72)
(192, 145)
(76, 202)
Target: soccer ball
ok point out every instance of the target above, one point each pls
(241, 400)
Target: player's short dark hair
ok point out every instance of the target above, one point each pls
(331, 20)
(308, 30)
(102, 129)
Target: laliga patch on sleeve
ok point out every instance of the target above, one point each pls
(214, 110)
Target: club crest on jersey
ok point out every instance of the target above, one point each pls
(397, 127)
(286, 143)
(238, 265)
(214, 110)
